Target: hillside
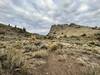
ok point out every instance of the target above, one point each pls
(8, 32)
(72, 30)
(66, 50)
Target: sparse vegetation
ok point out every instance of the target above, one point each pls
(58, 53)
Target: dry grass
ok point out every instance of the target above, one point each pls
(49, 55)
(65, 65)
(40, 54)
(54, 46)
(12, 62)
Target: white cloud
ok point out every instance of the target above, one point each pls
(3, 2)
(40, 13)
(50, 4)
(83, 7)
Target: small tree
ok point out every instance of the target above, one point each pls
(72, 24)
(24, 29)
(15, 26)
(9, 25)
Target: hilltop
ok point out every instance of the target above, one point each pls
(66, 50)
(10, 32)
(72, 29)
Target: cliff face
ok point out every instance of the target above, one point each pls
(72, 30)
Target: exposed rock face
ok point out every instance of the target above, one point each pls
(71, 30)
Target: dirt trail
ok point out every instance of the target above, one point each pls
(57, 66)
(60, 65)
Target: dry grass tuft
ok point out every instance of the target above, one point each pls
(12, 62)
(40, 54)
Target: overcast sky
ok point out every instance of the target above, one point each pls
(38, 15)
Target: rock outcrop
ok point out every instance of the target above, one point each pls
(71, 30)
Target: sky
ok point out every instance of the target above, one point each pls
(37, 16)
